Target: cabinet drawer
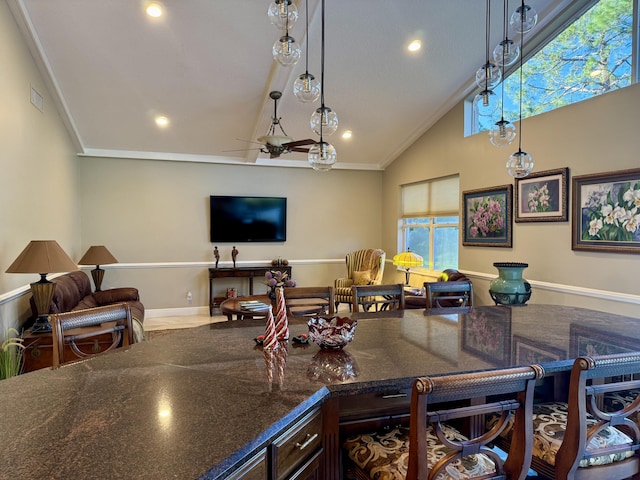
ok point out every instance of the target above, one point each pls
(375, 404)
(300, 442)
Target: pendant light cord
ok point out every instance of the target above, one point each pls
(521, 56)
(487, 28)
(322, 72)
(306, 56)
(505, 11)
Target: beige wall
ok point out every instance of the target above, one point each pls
(38, 195)
(597, 135)
(157, 212)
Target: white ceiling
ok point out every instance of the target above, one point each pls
(207, 65)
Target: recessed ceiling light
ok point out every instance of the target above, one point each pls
(162, 121)
(347, 134)
(154, 10)
(414, 46)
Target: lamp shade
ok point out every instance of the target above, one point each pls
(97, 255)
(408, 259)
(42, 256)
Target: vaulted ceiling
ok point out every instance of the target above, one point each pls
(207, 66)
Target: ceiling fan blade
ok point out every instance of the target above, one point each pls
(297, 143)
(298, 149)
(241, 150)
(248, 141)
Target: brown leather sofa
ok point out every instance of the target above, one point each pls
(73, 292)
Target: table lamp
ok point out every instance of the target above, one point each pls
(407, 260)
(43, 257)
(97, 255)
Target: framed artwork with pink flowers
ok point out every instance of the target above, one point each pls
(488, 217)
(606, 212)
(543, 196)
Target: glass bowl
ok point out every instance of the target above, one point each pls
(331, 332)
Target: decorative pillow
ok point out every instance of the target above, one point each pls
(362, 277)
(385, 455)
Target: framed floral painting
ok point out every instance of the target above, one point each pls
(543, 196)
(606, 212)
(486, 334)
(488, 216)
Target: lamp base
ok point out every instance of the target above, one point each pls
(97, 274)
(41, 325)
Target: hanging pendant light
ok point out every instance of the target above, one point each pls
(520, 164)
(286, 51)
(322, 155)
(306, 88)
(524, 18)
(324, 120)
(487, 77)
(507, 51)
(503, 132)
(282, 13)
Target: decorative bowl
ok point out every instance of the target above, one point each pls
(331, 331)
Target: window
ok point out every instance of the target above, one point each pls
(593, 55)
(430, 220)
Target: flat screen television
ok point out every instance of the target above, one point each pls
(248, 219)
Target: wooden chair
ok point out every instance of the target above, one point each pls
(597, 443)
(383, 297)
(304, 301)
(448, 297)
(93, 324)
(434, 445)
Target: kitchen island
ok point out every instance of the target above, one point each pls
(198, 403)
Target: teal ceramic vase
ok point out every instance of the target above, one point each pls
(509, 288)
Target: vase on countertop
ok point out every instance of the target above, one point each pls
(509, 288)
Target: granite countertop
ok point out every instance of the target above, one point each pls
(194, 402)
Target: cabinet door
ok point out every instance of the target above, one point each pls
(310, 470)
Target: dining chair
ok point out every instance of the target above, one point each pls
(110, 323)
(583, 439)
(436, 448)
(448, 297)
(304, 301)
(382, 297)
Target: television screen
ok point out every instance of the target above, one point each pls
(248, 219)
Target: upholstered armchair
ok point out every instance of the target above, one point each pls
(364, 267)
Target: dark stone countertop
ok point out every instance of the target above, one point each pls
(194, 402)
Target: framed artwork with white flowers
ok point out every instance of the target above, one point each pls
(606, 212)
(543, 196)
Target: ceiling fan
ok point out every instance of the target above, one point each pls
(275, 144)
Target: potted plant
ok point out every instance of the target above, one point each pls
(11, 351)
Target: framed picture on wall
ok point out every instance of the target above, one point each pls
(488, 216)
(606, 212)
(543, 196)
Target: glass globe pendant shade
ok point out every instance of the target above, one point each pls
(523, 19)
(488, 76)
(502, 133)
(324, 121)
(520, 164)
(322, 156)
(506, 53)
(485, 104)
(282, 14)
(286, 51)
(306, 88)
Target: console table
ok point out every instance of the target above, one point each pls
(240, 272)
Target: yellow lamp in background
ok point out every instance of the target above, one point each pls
(42, 257)
(97, 255)
(407, 260)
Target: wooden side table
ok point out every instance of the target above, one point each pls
(38, 352)
(231, 307)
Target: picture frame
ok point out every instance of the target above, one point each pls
(542, 196)
(488, 217)
(606, 212)
(487, 335)
(527, 351)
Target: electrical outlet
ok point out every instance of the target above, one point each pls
(189, 297)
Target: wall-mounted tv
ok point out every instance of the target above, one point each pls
(248, 219)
